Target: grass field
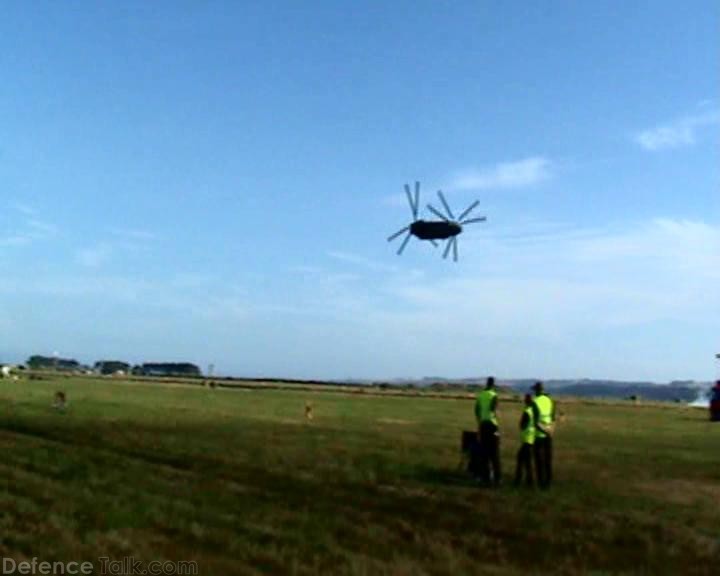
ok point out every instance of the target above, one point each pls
(240, 482)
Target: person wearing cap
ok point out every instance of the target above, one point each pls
(489, 432)
(543, 409)
(527, 440)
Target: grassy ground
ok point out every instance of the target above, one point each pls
(240, 482)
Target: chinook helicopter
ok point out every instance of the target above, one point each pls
(447, 228)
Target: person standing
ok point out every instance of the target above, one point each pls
(527, 439)
(543, 409)
(489, 432)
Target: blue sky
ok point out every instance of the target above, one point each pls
(215, 182)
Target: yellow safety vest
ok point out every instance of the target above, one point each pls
(545, 412)
(527, 434)
(484, 401)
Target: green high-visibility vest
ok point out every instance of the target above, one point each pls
(545, 412)
(484, 402)
(527, 434)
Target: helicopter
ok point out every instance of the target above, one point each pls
(447, 228)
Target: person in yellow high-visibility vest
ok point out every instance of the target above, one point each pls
(544, 416)
(527, 440)
(489, 432)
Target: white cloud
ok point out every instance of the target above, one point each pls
(94, 256)
(30, 229)
(549, 281)
(133, 234)
(586, 303)
(25, 209)
(627, 302)
(15, 240)
(361, 261)
(658, 270)
(124, 240)
(678, 133)
(517, 174)
(672, 248)
(503, 175)
(209, 300)
(304, 269)
(395, 200)
(41, 229)
(110, 287)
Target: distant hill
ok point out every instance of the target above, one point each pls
(642, 390)
(677, 391)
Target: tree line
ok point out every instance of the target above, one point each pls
(39, 362)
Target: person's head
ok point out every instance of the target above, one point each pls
(538, 388)
(528, 400)
(490, 383)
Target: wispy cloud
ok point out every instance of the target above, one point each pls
(78, 285)
(133, 234)
(586, 302)
(395, 200)
(28, 228)
(40, 229)
(15, 240)
(25, 209)
(677, 133)
(214, 302)
(94, 256)
(516, 174)
(362, 261)
(680, 251)
(503, 175)
(304, 269)
(547, 298)
(122, 240)
(656, 270)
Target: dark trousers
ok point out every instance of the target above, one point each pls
(489, 453)
(524, 465)
(543, 461)
(471, 446)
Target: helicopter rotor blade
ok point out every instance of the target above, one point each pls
(468, 210)
(447, 248)
(455, 248)
(413, 205)
(391, 238)
(445, 204)
(473, 220)
(417, 198)
(404, 243)
(437, 213)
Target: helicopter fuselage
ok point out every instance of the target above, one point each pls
(434, 229)
(448, 227)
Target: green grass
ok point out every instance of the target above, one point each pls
(241, 483)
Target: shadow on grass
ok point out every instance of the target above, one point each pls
(697, 417)
(276, 494)
(444, 476)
